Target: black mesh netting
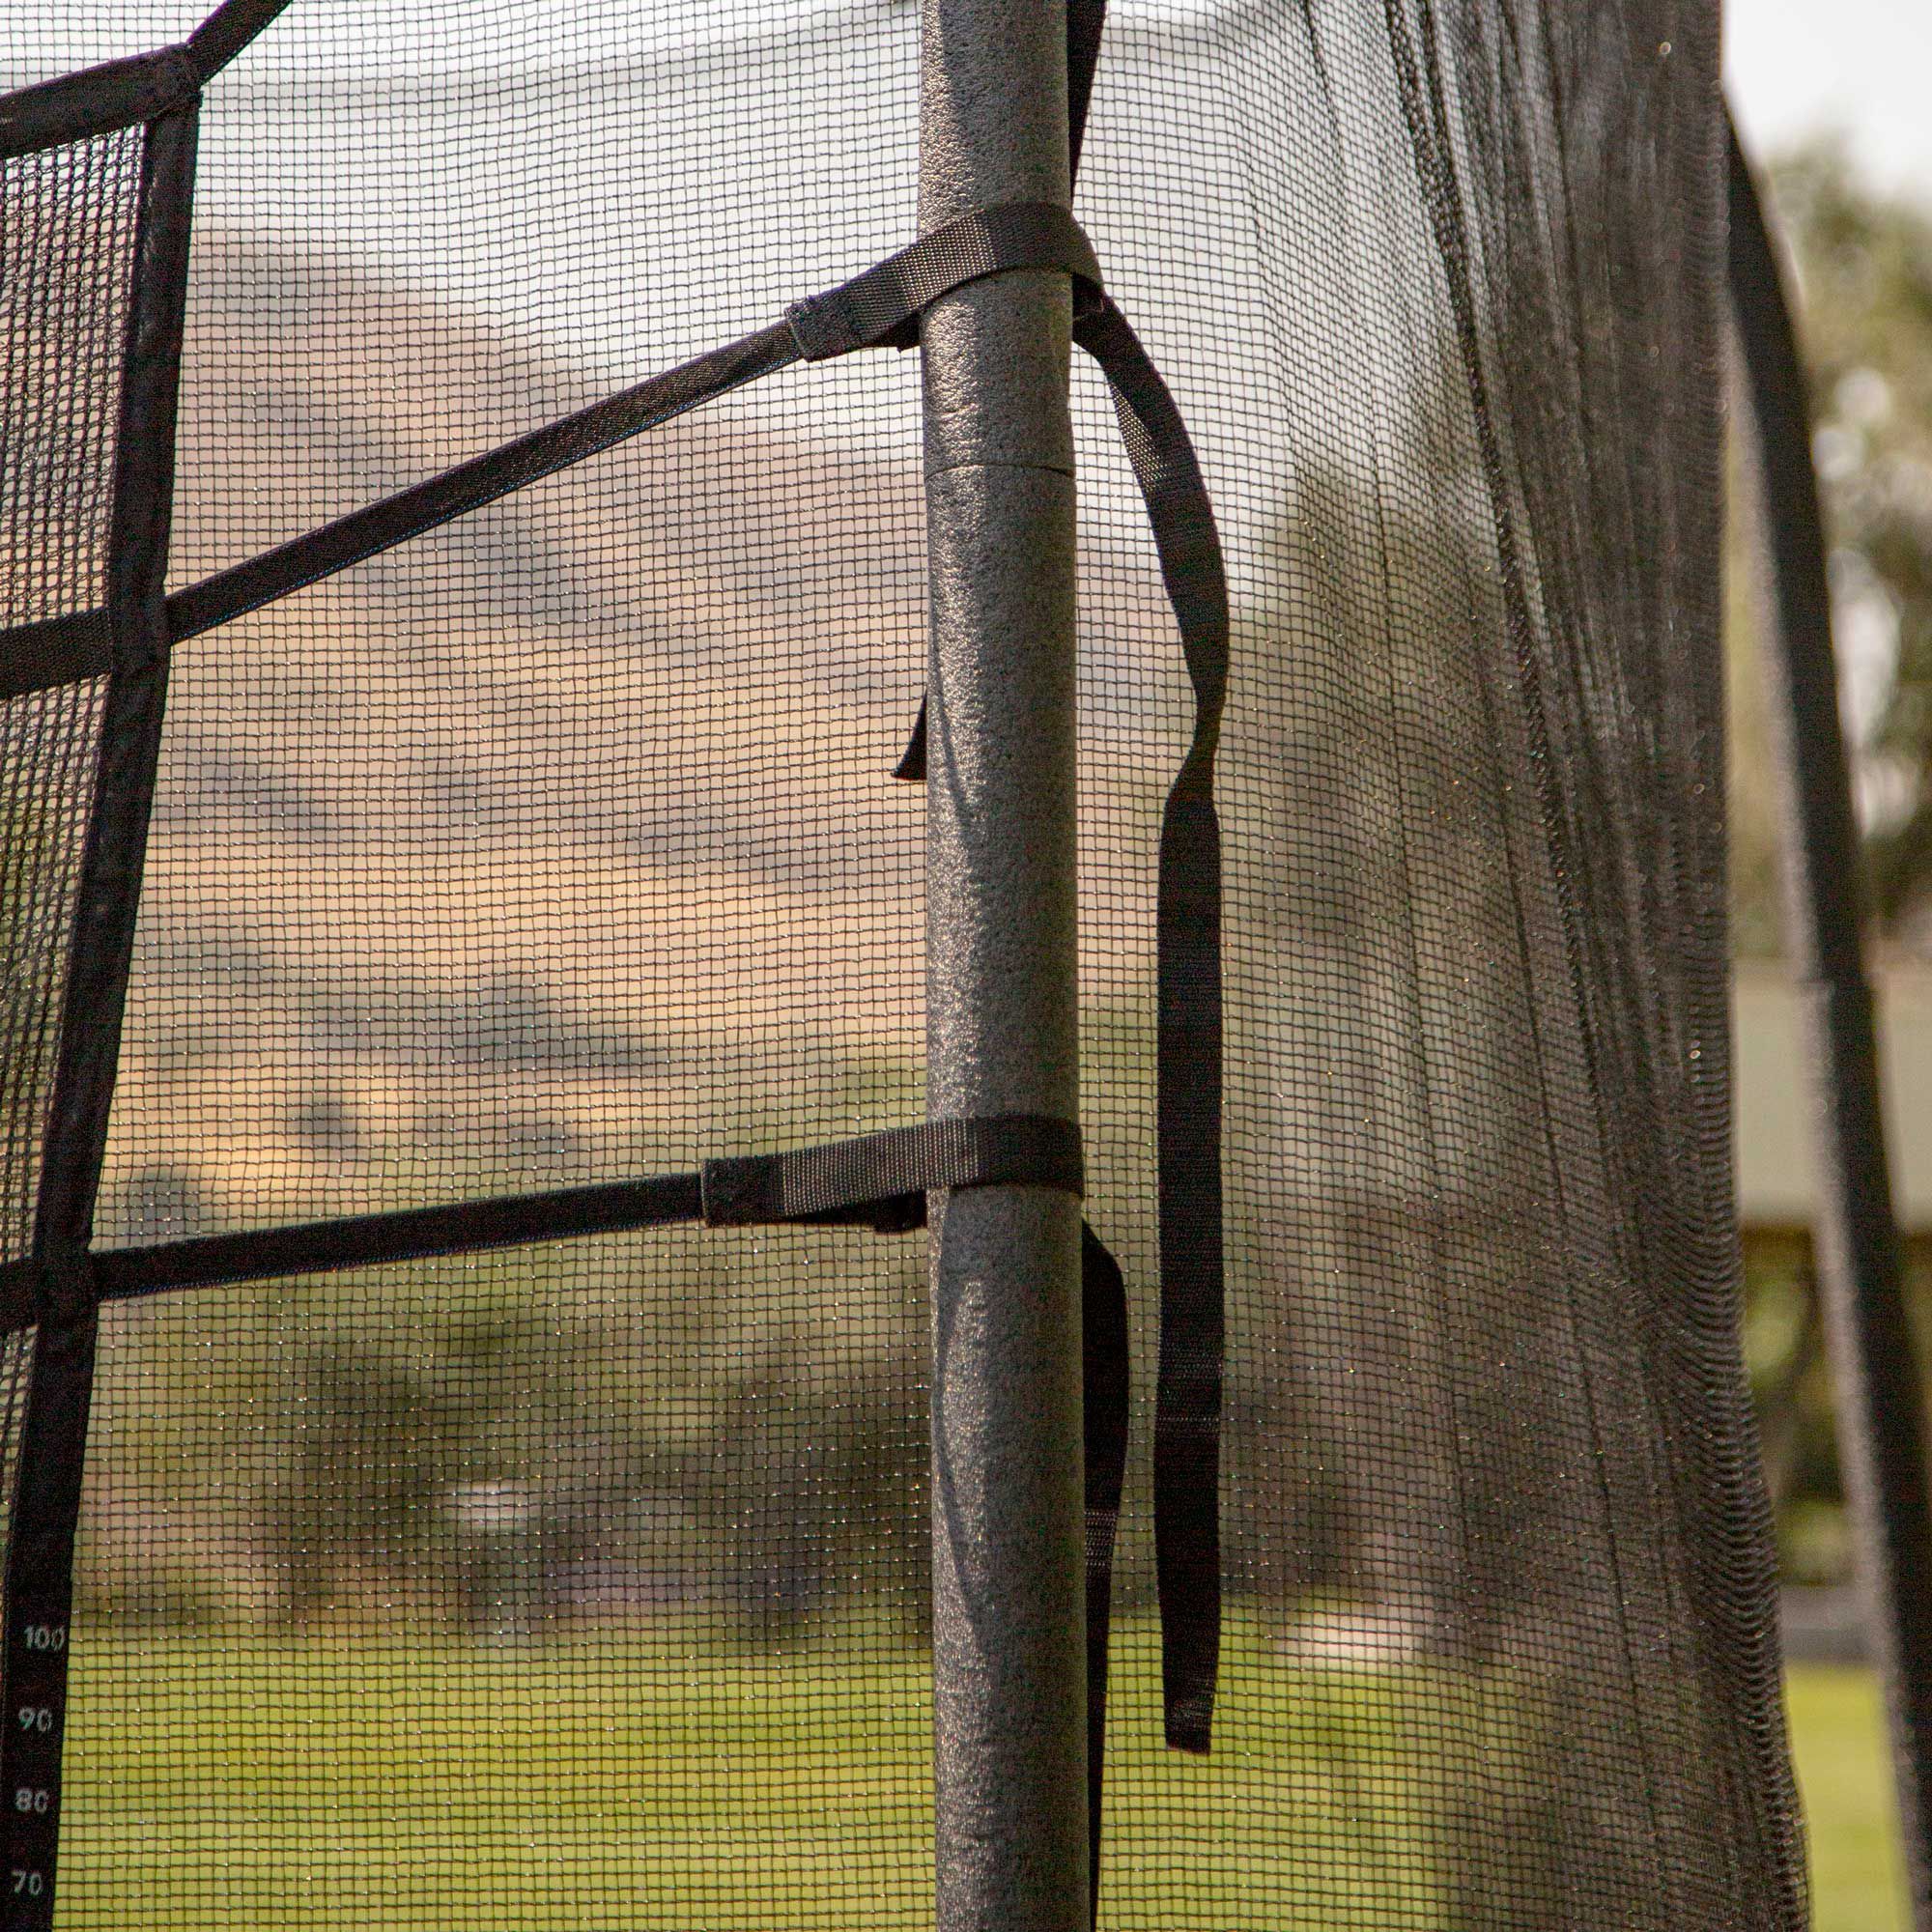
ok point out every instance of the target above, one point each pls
(583, 1584)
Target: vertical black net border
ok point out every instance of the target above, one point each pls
(53, 1437)
(1861, 1265)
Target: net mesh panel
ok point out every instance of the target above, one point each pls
(585, 1585)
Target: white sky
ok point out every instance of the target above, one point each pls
(1862, 66)
(1794, 66)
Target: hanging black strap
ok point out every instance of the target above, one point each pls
(1105, 1390)
(1187, 935)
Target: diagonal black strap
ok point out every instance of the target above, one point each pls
(469, 486)
(876, 307)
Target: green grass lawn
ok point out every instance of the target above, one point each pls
(447, 1787)
(1837, 1735)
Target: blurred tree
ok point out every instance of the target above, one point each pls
(1864, 263)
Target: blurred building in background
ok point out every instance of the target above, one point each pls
(1777, 1198)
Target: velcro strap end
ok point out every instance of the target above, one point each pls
(879, 1180)
(742, 1191)
(821, 329)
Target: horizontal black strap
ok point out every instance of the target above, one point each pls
(877, 1181)
(877, 307)
(55, 651)
(853, 1178)
(122, 93)
(362, 1240)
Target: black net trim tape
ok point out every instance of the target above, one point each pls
(128, 93)
(38, 1588)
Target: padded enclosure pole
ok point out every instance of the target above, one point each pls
(1009, 1616)
(1860, 1266)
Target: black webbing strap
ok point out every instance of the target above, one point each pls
(911, 766)
(878, 1181)
(45, 1504)
(881, 307)
(882, 1179)
(1187, 1399)
(1105, 1391)
(1187, 1403)
(95, 102)
(469, 486)
(1187, 936)
(63, 648)
(873, 308)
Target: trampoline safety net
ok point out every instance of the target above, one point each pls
(524, 1540)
